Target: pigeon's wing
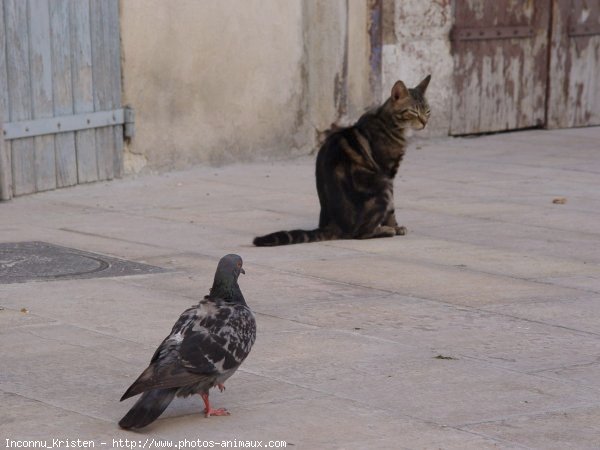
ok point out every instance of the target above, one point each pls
(223, 337)
(166, 367)
(207, 340)
(241, 332)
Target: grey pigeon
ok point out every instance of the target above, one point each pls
(206, 346)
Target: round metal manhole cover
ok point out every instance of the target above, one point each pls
(29, 263)
(40, 261)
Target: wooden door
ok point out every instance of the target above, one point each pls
(500, 65)
(60, 102)
(574, 94)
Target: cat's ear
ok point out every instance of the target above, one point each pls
(423, 84)
(399, 91)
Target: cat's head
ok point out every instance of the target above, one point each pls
(409, 106)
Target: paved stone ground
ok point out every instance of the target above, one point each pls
(479, 329)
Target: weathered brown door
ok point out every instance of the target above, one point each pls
(525, 63)
(500, 65)
(574, 94)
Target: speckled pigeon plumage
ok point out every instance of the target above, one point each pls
(206, 346)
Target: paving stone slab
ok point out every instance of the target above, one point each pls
(483, 258)
(531, 239)
(13, 318)
(102, 305)
(581, 314)
(583, 374)
(325, 422)
(446, 284)
(496, 337)
(25, 419)
(586, 279)
(564, 429)
(404, 381)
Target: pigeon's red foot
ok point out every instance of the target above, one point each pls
(216, 412)
(208, 411)
(221, 387)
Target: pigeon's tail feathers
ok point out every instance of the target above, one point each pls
(157, 378)
(293, 237)
(141, 384)
(131, 392)
(148, 407)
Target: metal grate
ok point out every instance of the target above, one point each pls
(40, 261)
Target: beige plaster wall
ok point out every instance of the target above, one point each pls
(220, 81)
(416, 43)
(337, 62)
(213, 81)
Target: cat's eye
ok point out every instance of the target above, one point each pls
(410, 115)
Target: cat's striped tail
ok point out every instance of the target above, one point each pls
(293, 237)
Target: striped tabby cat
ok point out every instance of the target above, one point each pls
(356, 167)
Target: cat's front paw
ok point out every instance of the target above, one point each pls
(401, 231)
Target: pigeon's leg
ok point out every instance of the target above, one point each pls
(221, 386)
(208, 411)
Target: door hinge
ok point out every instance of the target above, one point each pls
(584, 30)
(62, 124)
(485, 33)
(129, 122)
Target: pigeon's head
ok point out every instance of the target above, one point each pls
(225, 285)
(230, 266)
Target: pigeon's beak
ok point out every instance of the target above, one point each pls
(242, 271)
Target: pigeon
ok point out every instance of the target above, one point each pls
(206, 346)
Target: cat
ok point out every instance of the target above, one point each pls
(355, 172)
